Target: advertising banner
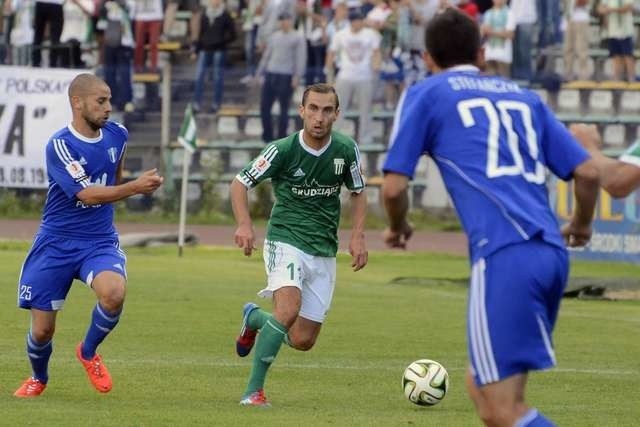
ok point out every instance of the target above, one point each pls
(33, 105)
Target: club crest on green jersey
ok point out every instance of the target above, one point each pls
(338, 166)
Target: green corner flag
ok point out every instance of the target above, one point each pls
(188, 130)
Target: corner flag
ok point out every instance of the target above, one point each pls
(188, 130)
(186, 138)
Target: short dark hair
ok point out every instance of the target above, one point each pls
(452, 38)
(320, 88)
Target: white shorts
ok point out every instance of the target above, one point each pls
(315, 276)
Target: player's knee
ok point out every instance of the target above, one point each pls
(112, 300)
(305, 344)
(42, 333)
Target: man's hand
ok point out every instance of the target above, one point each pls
(358, 251)
(148, 182)
(575, 235)
(398, 238)
(587, 135)
(245, 238)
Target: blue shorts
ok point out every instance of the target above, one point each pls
(621, 47)
(54, 262)
(514, 298)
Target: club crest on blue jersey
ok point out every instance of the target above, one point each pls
(113, 151)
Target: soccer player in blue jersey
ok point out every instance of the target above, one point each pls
(493, 143)
(77, 238)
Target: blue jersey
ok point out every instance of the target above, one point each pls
(75, 162)
(493, 142)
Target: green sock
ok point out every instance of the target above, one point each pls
(257, 318)
(267, 345)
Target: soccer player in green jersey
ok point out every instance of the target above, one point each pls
(307, 170)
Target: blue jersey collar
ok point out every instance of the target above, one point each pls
(84, 138)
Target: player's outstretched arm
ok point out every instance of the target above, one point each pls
(357, 245)
(618, 178)
(586, 185)
(146, 183)
(244, 236)
(396, 205)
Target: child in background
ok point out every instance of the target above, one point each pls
(497, 29)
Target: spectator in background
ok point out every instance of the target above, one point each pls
(5, 16)
(377, 17)
(114, 20)
(315, 31)
(392, 67)
(271, 10)
(21, 33)
(576, 38)
(525, 15)
(339, 21)
(483, 5)
(359, 50)
(413, 16)
(326, 8)
(421, 13)
(620, 30)
(283, 65)
(251, 19)
(192, 6)
(76, 31)
(148, 16)
(548, 22)
(497, 28)
(217, 31)
(469, 7)
(47, 12)
(365, 7)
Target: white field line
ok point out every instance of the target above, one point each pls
(227, 363)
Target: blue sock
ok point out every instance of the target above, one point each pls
(102, 322)
(39, 354)
(533, 418)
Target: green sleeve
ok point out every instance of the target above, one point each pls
(265, 166)
(353, 176)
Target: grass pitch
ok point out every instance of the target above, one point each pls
(173, 362)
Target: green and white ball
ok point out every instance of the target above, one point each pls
(425, 382)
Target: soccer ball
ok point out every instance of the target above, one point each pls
(425, 382)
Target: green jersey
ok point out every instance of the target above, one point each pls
(306, 183)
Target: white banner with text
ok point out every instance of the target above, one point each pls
(33, 105)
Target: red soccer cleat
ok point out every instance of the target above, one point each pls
(257, 398)
(30, 388)
(96, 371)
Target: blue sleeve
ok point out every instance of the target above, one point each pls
(123, 133)
(64, 169)
(409, 135)
(561, 151)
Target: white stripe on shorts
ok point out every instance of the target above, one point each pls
(480, 339)
(546, 339)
